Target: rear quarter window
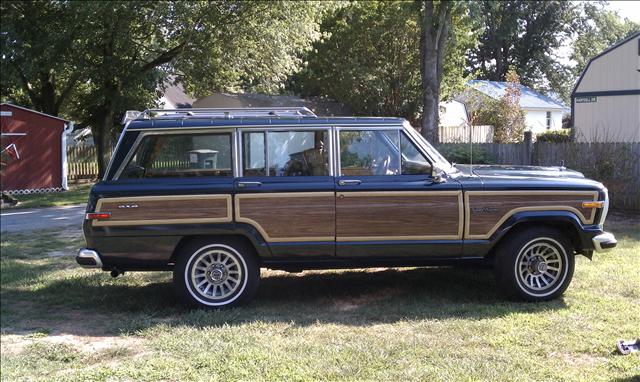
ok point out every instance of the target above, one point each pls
(181, 155)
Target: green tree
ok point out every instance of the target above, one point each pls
(42, 53)
(597, 30)
(504, 114)
(438, 34)
(523, 35)
(370, 58)
(129, 48)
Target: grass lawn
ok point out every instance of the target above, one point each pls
(60, 322)
(76, 194)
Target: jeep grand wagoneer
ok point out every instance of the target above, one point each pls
(215, 194)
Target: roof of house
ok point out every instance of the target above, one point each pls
(175, 95)
(33, 111)
(529, 98)
(609, 49)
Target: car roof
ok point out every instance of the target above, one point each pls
(201, 122)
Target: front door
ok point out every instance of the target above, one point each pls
(286, 190)
(387, 203)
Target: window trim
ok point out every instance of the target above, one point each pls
(240, 137)
(398, 128)
(140, 137)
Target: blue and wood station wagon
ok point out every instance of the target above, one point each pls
(213, 195)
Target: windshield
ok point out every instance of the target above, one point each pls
(439, 160)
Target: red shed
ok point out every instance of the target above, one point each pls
(34, 148)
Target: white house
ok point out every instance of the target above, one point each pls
(605, 102)
(542, 113)
(453, 113)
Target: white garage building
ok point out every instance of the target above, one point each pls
(605, 102)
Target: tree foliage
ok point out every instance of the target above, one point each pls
(522, 35)
(107, 57)
(42, 53)
(598, 29)
(369, 58)
(504, 114)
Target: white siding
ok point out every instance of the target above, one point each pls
(610, 118)
(615, 70)
(536, 120)
(452, 113)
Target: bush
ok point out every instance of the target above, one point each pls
(461, 153)
(556, 136)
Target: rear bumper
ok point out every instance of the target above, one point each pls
(604, 242)
(88, 258)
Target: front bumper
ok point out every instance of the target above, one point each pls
(88, 258)
(604, 242)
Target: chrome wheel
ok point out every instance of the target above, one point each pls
(216, 273)
(540, 266)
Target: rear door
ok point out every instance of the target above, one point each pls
(387, 203)
(286, 191)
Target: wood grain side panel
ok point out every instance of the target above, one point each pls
(487, 210)
(285, 217)
(427, 215)
(165, 209)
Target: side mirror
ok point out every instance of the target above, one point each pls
(436, 174)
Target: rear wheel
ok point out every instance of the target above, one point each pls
(535, 264)
(216, 274)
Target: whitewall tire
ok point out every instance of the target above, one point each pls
(211, 274)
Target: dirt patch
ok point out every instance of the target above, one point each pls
(350, 304)
(14, 344)
(70, 327)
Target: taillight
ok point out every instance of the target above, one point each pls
(98, 215)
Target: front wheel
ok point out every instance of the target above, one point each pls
(216, 274)
(535, 264)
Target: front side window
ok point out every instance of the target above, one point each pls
(369, 152)
(181, 155)
(380, 152)
(288, 153)
(413, 161)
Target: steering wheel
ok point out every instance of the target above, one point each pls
(383, 167)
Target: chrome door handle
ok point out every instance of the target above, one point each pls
(249, 184)
(349, 182)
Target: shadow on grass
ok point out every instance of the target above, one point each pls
(358, 298)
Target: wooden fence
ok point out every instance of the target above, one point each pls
(456, 134)
(616, 165)
(82, 162)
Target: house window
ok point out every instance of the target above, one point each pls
(548, 120)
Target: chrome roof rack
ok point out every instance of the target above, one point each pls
(227, 113)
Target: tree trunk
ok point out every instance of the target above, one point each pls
(102, 138)
(430, 96)
(435, 26)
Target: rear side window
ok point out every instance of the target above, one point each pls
(181, 155)
(286, 153)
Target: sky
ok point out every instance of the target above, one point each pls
(628, 9)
